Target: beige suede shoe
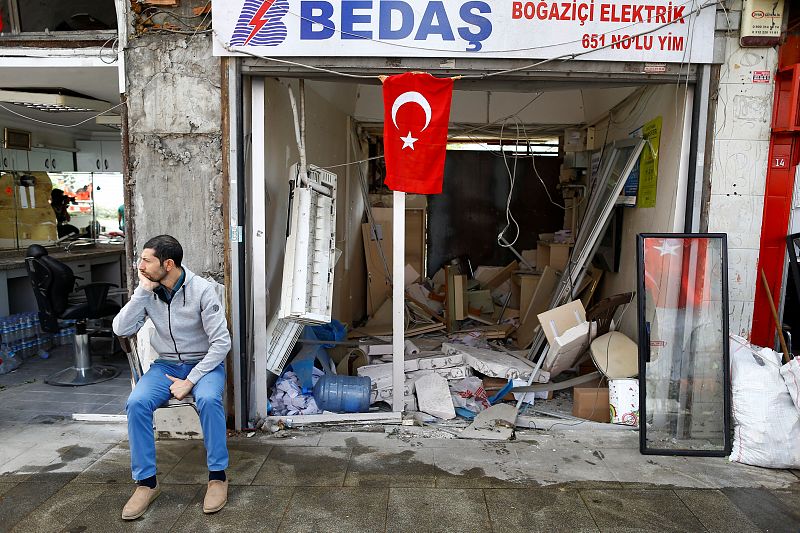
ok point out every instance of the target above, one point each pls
(139, 502)
(216, 496)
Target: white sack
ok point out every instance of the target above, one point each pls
(766, 422)
(791, 375)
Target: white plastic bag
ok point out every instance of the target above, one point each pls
(766, 422)
(791, 376)
(469, 394)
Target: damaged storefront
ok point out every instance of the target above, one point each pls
(363, 304)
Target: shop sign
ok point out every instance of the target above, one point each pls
(761, 22)
(659, 31)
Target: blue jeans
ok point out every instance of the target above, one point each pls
(152, 392)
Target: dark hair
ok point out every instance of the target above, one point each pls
(166, 247)
(56, 193)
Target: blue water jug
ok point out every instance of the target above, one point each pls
(342, 394)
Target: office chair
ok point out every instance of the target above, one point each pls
(53, 282)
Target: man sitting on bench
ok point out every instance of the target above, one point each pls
(191, 339)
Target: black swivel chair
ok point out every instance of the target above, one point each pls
(53, 283)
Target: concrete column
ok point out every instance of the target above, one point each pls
(175, 151)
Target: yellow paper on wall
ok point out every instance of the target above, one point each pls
(648, 164)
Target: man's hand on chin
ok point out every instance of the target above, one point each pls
(146, 284)
(180, 388)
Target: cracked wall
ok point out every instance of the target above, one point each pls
(175, 146)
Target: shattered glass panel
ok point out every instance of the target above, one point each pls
(683, 344)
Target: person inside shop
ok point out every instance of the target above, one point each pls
(60, 202)
(191, 339)
(121, 218)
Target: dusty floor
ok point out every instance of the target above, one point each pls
(59, 475)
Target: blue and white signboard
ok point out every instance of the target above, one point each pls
(659, 31)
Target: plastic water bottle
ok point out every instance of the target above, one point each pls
(42, 347)
(342, 394)
(8, 361)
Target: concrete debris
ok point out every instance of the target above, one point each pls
(380, 375)
(495, 364)
(411, 433)
(433, 396)
(440, 361)
(495, 423)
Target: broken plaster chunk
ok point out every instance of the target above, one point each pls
(495, 364)
(495, 423)
(380, 375)
(433, 396)
(440, 361)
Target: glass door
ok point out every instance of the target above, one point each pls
(684, 375)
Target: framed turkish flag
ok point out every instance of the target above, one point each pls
(416, 113)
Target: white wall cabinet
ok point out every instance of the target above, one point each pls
(99, 156)
(13, 160)
(62, 161)
(112, 156)
(47, 160)
(39, 160)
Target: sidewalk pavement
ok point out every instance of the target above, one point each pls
(60, 475)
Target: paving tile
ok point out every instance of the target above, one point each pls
(244, 464)
(304, 467)
(77, 458)
(35, 459)
(565, 462)
(477, 468)
(391, 468)
(650, 471)
(336, 510)
(541, 510)
(716, 512)
(415, 509)
(110, 409)
(11, 451)
(364, 439)
(113, 467)
(60, 509)
(104, 513)
(6, 486)
(248, 509)
(773, 511)
(639, 510)
(170, 452)
(24, 497)
(692, 472)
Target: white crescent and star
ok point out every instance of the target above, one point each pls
(667, 249)
(407, 98)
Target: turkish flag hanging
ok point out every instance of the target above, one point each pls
(676, 271)
(416, 112)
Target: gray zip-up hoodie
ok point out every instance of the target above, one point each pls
(189, 329)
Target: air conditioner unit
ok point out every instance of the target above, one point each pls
(282, 335)
(307, 293)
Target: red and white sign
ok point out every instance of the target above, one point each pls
(762, 76)
(416, 113)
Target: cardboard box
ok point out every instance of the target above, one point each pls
(591, 402)
(554, 255)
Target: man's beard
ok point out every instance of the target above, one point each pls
(161, 275)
